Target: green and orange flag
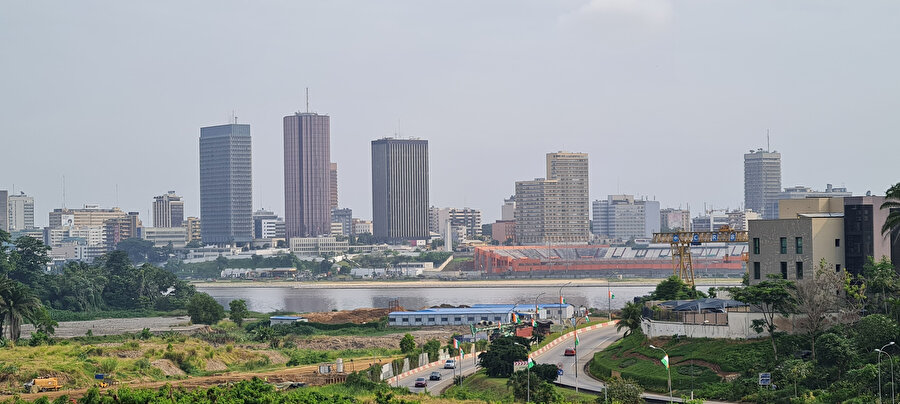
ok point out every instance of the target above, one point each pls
(665, 361)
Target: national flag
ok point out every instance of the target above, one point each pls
(587, 319)
(562, 300)
(530, 363)
(533, 322)
(576, 339)
(611, 295)
(515, 318)
(472, 327)
(456, 345)
(665, 361)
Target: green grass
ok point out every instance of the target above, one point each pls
(729, 355)
(493, 389)
(65, 315)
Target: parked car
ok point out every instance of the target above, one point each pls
(450, 364)
(435, 376)
(421, 382)
(569, 352)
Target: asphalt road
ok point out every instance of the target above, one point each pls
(589, 343)
(467, 367)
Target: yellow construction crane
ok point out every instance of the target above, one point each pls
(681, 242)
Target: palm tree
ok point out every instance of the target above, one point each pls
(17, 305)
(631, 317)
(892, 202)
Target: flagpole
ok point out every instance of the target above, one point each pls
(609, 302)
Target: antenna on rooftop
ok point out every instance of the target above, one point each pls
(307, 100)
(117, 195)
(768, 144)
(64, 192)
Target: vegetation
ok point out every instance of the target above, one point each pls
(203, 309)
(774, 296)
(673, 288)
(498, 360)
(892, 203)
(237, 311)
(631, 318)
(481, 387)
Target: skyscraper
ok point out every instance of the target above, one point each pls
(555, 209)
(762, 182)
(168, 210)
(307, 175)
(334, 188)
(226, 186)
(400, 189)
(21, 212)
(622, 217)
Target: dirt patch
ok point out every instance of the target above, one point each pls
(215, 365)
(442, 334)
(115, 326)
(357, 316)
(275, 357)
(129, 354)
(168, 368)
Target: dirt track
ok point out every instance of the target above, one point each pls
(115, 326)
(306, 374)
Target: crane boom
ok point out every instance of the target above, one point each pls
(681, 242)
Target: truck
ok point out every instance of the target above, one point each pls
(104, 380)
(41, 384)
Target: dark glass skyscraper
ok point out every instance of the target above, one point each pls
(226, 186)
(400, 189)
(307, 175)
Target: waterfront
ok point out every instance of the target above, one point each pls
(311, 299)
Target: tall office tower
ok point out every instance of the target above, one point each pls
(555, 209)
(307, 175)
(762, 182)
(21, 212)
(400, 189)
(508, 210)
(334, 188)
(622, 217)
(168, 210)
(226, 184)
(345, 218)
(4, 207)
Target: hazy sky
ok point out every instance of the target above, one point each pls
(665, 96)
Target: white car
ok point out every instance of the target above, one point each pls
(450, 364)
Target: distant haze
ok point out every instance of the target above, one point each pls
(665, 96)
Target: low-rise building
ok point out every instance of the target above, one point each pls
(504, 231)
(490, 313)
(362, 227)
(162, 236)
(315, 246)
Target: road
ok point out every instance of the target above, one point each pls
(589, 342)
(466, 366)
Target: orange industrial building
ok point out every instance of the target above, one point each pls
(720, 259)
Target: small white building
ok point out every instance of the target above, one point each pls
(314, 246)
(162, 236)
(275, 320)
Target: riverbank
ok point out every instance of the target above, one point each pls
(427, 283)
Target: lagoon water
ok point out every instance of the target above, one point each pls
(268, 299)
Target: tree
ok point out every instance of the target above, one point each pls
(632, 315)
(203, 309)
(546, 371)
(623, 391)
(29, 259)
(892, 203)
(237, 311)
(500, 355)
(519, 382)
(816, 298)
(17, 305)
(773, 296)
(432, 347)
(407, 343)
(880, 278)
(796, 370)
(138, 250)
(673, 288)
(873, 331)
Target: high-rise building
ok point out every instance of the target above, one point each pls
(21, 212)
(762, 182)
(307, 175)
(344, 217)
(400, 189)
(508, 210)
(192, 229)
(334, 185)
(168, 210)
(674, 220)
(467, 218)
(265, 224)
(121, 228)
(226, 184)
(555, 209)
(622, 217)
(710, 221)
(4, 207)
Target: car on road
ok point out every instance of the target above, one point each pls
(435, 376)
(450, 364)
(421, 382)
(569, 352)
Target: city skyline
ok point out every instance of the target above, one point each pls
(652, 89)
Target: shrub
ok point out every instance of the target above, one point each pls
(142, 364)
(107, 365)
(203, 309)
(407, 343)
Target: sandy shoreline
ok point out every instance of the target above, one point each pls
(504, 283)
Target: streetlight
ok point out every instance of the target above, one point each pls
(527, 370)
(559, 311)
(880, 351)
(535, 304)
(668, 373)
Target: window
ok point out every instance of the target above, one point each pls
(444, 319)
(756, 246)
(497, 318)
(798, 244)
(405, 319)
(799, 269)
(784, 270)
(783, 245)
(755, 270)
(837, 267)
(431, 319)
(837, 242)
(472, 319)
(484, 319)
(457, 318)
(418, 319)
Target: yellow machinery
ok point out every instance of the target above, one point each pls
(681, 242)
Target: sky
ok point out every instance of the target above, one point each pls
(664, 96)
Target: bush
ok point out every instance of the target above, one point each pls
(203, 309)
(407, 343)
(107, 365)
(546, 372)
(237, 311)
(873, 331)
(623, 391)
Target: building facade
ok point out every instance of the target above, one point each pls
(762, 182)
(622, 217)
(21, 212)
(508, 210)
(801, 192)
(90, 215)
(163, 236)
(710, 221)
(739, 219)
(362, 227)
(400, 189)
(467, 218)
(121, 228)
(192, 229)
(226, 184)
(333, 176)
(863, 219)
(315, 246)
(307, 175)
(555, 209)
(344, 217)
(4, 207)
(168, 210)
(794, 248)
(504, 231)
(674, 220)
